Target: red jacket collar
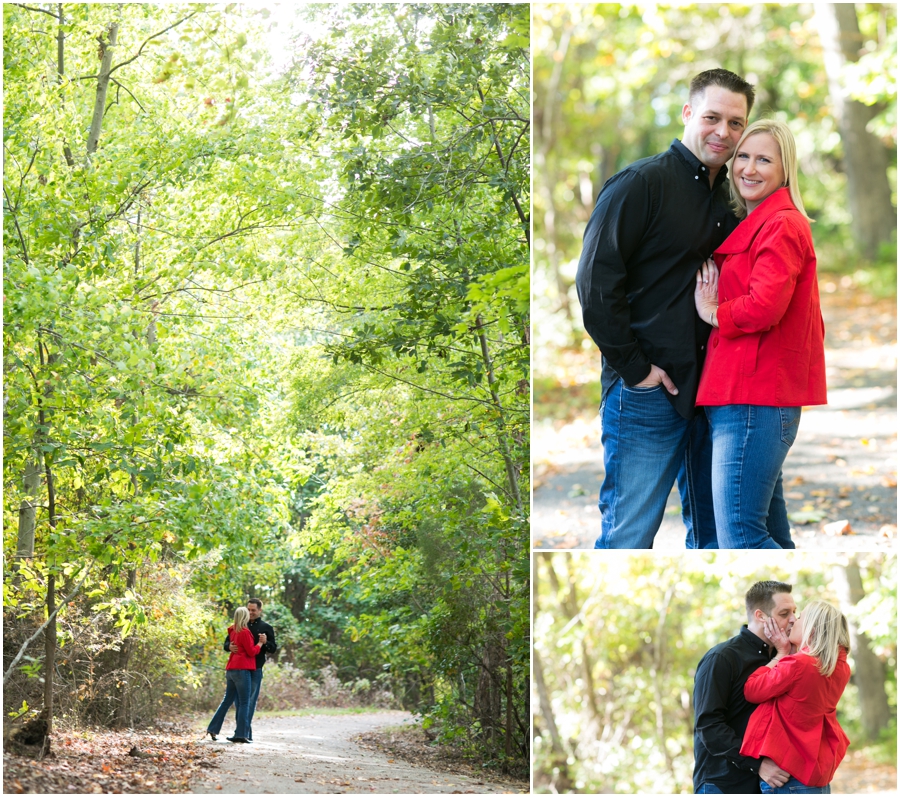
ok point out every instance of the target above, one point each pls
(742, 237)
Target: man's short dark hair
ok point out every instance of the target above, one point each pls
(761, 596)
(256, 602)
(724, 79)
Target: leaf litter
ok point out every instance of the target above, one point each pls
(101, 761)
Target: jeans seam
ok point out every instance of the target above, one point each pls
(689, 475)
(784, 426)
(737, 500)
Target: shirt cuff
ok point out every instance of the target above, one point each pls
(747, 763)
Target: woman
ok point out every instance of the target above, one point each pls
(765, 358)
(241, 664)
(796, 722)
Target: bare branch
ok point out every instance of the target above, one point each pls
(40, 630)
(42, 11)
(154, 36)
(18, 229)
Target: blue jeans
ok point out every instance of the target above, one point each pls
(749, 445)
(255, 683)
(794, 786)
(237, 691)
(647, 445)
(709, 788)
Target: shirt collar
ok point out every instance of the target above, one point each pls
(696, 167)
(755, 642)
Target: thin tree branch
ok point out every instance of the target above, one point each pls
(154, 36)
(130, 94)
(40, 10)
(18, 229)
(40, 630)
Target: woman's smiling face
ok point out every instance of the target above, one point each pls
(757, 169)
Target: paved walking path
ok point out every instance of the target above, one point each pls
(318, 755)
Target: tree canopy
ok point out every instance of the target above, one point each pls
(266, 332)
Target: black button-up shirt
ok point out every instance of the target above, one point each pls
(654, 224)
(721, 714)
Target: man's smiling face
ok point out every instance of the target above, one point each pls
(713, 125)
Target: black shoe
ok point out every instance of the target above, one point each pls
(211, 735)
(238, 739)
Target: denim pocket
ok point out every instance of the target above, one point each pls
(790, 423)
(637, 389)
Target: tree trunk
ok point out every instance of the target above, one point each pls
(659, 663)
(102, 88)
(562, 782)
(123, 701)
(870, 674)
(546, 713)
(295, 595)
(866, 159)
(50, 651)
(545, 143)
(487, 692)
(61, 69)
(28, 508)
(50, 631)
(510, 730)
(512, 476)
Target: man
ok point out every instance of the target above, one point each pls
(257, 626)
(653, 225)
(721, 712)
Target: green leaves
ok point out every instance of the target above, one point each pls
(272, 331)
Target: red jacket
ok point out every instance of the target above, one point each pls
(245, 658)
(796, 722)
(769, 348)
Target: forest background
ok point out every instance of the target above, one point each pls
(618, 640)
(266, 277)
(609, 84)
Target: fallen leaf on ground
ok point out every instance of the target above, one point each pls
(837, 528)
(805, 516)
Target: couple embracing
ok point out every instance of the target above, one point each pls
(698, 283)
(765, 701)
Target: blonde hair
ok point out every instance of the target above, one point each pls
(788, 150)
(241, 618)
(824, 632)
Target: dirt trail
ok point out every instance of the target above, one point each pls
(318, 755)
(843, 465)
